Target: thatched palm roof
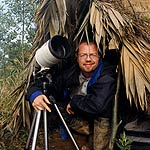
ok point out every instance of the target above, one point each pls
(112, 27)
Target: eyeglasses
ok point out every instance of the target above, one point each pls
(85, 56)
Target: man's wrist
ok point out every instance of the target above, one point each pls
(34, 95)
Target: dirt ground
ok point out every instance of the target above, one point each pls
(54, 141)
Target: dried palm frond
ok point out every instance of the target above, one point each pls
(58, 17)
(135, 62)
(107, 24)
(50, 19)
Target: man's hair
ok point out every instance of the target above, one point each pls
(88, 42)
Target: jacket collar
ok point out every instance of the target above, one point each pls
(96, 74)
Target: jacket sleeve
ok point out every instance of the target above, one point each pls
(33, 90)
(99, 100)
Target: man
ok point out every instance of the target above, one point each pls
(90, 86)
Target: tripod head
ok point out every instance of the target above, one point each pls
(43, 79)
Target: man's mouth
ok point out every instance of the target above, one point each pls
(88, 65)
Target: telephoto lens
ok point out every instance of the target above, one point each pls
(53, 51)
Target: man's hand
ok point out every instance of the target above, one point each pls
(69, 110)
(40, 103)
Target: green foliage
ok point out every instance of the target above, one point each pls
(17, 30)
(13, 79)
(124, 143)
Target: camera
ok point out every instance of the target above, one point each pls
(53, 51)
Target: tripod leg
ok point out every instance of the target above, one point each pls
(31, 131)
(36, 129)
(45, 129)
(72, 138)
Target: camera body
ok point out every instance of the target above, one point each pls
(43, 80)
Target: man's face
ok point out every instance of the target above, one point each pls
(88, 58)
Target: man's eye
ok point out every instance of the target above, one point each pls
(83, 55)
(93, 55)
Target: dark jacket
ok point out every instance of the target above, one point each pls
(100, 91)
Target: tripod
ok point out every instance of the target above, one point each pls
(36, 122)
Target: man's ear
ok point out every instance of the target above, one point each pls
(76, 55)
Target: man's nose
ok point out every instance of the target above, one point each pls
(88, 57)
